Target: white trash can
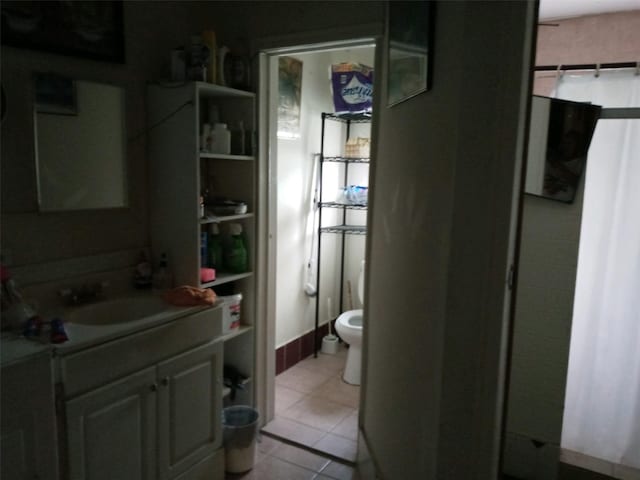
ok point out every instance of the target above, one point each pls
(240, 424)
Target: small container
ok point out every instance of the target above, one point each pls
(230, 312)
(220, 139)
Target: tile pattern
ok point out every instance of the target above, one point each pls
(293, 352)
(277, 460)
(316, 409)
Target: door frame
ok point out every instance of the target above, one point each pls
(268, 49)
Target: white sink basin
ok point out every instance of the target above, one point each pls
(117, 310)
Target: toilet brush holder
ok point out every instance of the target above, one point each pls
(330, 344)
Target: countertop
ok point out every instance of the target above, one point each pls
(14, 347)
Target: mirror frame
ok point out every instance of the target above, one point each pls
(69, 110)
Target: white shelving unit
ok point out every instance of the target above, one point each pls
(180, 173)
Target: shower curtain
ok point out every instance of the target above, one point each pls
(602, 404)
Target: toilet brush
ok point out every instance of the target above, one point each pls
(330, 341)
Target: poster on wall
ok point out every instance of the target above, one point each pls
(289, 95)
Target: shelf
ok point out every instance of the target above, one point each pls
(223, 218)
(352, 117)
(220, 156)
(348, 229)
(346, 159)
(348, 206)
(242, 329)
(226, 278)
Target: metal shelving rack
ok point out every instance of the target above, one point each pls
(342, 229)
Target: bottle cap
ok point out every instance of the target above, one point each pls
(236, 229)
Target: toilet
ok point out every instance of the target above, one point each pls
(349, 327)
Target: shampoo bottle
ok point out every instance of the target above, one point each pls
(236, 254)
(215, 247)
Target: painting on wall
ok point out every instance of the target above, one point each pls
(409, 49)
(76, 28)
(289, 95)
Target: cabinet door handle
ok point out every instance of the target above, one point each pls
(165, 381)
(153, 387)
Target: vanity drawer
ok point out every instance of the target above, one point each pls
(104, 363)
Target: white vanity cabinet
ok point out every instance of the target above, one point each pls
(28, 440)
(162, 421)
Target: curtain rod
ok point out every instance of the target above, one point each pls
(586, 66)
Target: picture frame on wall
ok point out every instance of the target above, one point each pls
(93, 30)
(409, 48)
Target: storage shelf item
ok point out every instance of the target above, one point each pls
(348, 229)
(342, 159)
(182, 175)
(351, 206)
(344, 228)
(224, 218)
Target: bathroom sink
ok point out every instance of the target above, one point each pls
(115, 311)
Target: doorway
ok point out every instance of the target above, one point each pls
(308, 402)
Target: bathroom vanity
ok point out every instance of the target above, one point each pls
(135, 399)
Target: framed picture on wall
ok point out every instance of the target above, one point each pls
(77, 28)
(409, 49)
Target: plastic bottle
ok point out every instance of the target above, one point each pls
(236, 254)
(220, 139)
(215, 248)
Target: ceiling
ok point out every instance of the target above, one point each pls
(555, 9)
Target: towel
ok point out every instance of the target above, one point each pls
(187, 296)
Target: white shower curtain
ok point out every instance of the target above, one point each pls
(602, 404)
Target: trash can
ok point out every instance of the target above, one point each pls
(240, 427)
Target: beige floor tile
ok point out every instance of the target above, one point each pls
(273, 468)
(348, 427)
(293, 431)
(301, 457)
(338, 446)
(337, 390)
(301, 379)
(266, 444)
(286, 397)
(333, 364)
(318, 413)
(339, 471)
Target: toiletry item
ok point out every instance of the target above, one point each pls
(207, 275)
(236, 253)
(58, 333)
(198, 59)
(230, 312)
(202, 211)
(204, 249)
(209, 41)
(205, 138)
(224, 66)
(143, 271)
(162, 277)
(215, 247)
(238, 140)
(33, 327)
(220, 139)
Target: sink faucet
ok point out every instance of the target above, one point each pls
(83, 294)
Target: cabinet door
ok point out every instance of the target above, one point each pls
(27, 436)
(189, 408)
(112, 430)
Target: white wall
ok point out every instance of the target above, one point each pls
(295, 311)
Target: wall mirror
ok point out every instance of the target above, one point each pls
(559, 137)
(80, 144)
(409, 51)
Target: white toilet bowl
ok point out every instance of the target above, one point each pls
(349, 327)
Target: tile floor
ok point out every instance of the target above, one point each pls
(316, 409)
(277, 460)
